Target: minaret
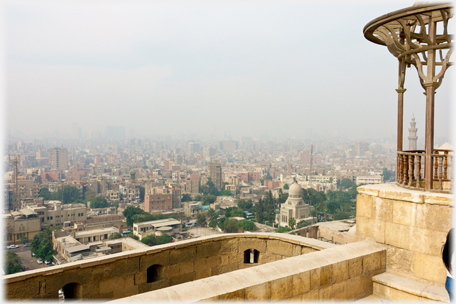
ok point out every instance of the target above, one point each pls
(412, 134)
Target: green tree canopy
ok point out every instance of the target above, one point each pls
(286, 187)
(234, 211)
(245, 205)
(292, 223)
(97, 202)
(346, 183)
(208, 199)
(114, 236)
(41, 245)
(153, 240)
(12, 263)
(226, 193)
(186, 198)
(283, 229)
(24, 239)
(231, 226)
(201, 219)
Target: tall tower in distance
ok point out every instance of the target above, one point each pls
(412, 134)
(58, 158)
(215, 173)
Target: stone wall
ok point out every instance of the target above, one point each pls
(412, 224)
(125, 274)
(342, 273)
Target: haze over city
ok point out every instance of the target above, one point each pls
(276, 70)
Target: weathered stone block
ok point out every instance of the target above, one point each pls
(57, 281)
(312, 295)
(260, 292)
(182, 278)
(125, 292)
(208, 249)
(434, 217)
(125, 266)
(361, 286)
(401, 260)
(342, 292)
(145, 287)
(398, 235)
(202, 273)
(326, 293)
(382, 209)
(296, 250)
(281, 288)
(378, 230)
(186, 267)
(112, 284)
(371, 262)
(305, 250)
(171, 271)
(301, 283)
(224, 269)
(21, 290)
(314, 278)
(326, 275)
(279, 248)
(340, 271)
(364, 205)
(404, 213)
(364, 227)
(235, 296)
(355, 267)
(429, 267)
(428, 241)
(232, 258)
(397, 295)
(229, 246)
(182, 255)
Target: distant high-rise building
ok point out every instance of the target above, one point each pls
(361, 147)
(193, 148)
(115, 132)
(412, 134)
(215, 173)
(58, 158)
(228, 146)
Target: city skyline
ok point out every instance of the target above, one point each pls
(171, 69)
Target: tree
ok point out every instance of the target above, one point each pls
(283, 229)
(129, 212)
(114, 236)
(245, 205)
(24, 239)
(213, 223)
(97, 202)
(292, 223)
(201, 219)
(211, 214)
(45, 194)
(247, 225)
(12, 263)
(41, 245)
(186, 198)
(231, 226)
(333, 207)
(302, 224)
(209, 199)
(346, 183)
(286, 187)
(234, 211)
(198, 198)
(131, 235)
(89, 194)
(226, 193)
(153, 240)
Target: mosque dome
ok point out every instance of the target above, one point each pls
(295, 190)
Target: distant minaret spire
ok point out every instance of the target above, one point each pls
(412, 134)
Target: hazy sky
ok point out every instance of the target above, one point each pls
(252, 68)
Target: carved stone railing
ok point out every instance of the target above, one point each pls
(410, 170)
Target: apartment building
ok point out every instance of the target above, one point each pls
(58, 158)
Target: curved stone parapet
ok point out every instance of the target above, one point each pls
(134, 272)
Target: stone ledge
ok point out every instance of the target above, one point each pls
(394, 192)
(415, 288)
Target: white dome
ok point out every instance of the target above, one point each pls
(295, 189)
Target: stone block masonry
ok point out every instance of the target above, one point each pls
(130, 273)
